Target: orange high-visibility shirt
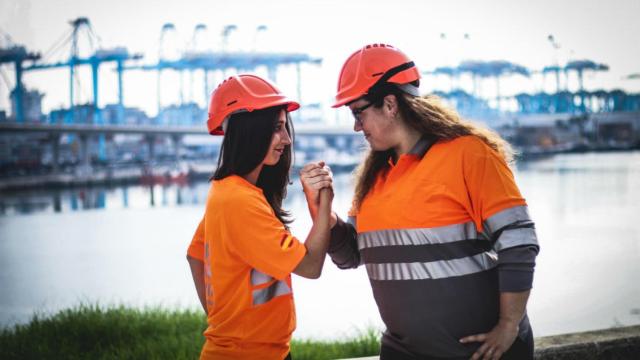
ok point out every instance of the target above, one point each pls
(248, 256)
(460, 180)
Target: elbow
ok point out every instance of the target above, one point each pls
(315, 274)
(309, 273)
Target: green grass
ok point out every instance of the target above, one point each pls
(95, 332)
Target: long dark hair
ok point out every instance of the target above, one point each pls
(244, 147)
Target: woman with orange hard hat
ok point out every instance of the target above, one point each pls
(242, 254)
(437, 219)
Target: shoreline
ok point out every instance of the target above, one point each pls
(167, 173)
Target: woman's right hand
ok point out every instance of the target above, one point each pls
(314, 177)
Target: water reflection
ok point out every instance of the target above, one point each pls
(606, 177)
(91, 198)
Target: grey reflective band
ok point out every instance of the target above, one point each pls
(434, 269)
(423, 236)
(259, 278)
(264, 295)
(506, 217)
(516, 237)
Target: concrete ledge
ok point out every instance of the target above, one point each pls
(610, 344)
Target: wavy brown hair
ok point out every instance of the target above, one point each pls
(430, 117)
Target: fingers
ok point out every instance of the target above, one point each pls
(318, 182)
(311, 166)
(474, 338)
(316, 172)
(488, 352)
(324, 184)
(497, 354)
(481, 352)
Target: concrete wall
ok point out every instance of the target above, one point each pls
(610, 344)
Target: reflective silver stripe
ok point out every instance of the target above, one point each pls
(516, 237)
(424, 236)
(506, 217)
(207, 266)
(264, 295)
(259, 278)
(434, 269)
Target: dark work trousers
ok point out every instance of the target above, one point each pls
(520, 350)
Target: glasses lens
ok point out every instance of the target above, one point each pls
(357, 111)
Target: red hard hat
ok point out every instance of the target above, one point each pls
(373, 65)
(243, 93)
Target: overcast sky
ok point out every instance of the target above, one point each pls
(514, 30)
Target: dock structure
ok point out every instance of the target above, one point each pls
(90, 131)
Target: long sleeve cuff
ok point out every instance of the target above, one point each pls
(343, 247)
(516, 268)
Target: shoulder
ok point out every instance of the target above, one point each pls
(234, 196)
(468, 144)
(462, 147)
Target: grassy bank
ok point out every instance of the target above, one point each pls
(123, 333)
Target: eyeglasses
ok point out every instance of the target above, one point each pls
(357, 111)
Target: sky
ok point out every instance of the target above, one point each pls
(432, 33)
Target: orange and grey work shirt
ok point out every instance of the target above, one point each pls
(248, 257)
(442, 232)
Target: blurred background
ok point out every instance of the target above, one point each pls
(105, 159)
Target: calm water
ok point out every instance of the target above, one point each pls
(127, 245)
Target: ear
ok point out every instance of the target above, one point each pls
(390, 105)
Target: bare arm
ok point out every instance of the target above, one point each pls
(197, 272)
(318, 240)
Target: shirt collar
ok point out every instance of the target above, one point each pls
(422, 146)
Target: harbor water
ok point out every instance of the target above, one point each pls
(127, 245)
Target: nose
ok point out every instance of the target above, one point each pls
(357, 126)
(286, 138)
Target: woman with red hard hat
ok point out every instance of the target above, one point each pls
(437, 219)
(242, 254)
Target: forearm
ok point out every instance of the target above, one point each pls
(318, 240)
(197, 273)
(513, 306)
(313, 212)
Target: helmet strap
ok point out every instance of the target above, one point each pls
(382, 84)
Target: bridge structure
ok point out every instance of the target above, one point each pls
(332, 135)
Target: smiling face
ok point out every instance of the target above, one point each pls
(377, 124)
(279, 140)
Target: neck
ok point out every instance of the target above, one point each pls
(408, 139)
(252, 177)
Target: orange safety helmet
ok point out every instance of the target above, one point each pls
(372, 66)
(243, 93)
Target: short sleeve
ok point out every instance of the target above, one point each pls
(260, 239)
(196, 248)
(490, 183)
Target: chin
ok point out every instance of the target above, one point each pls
(272, 162)
(377, 147)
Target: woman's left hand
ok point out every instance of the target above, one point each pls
(495, 343)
